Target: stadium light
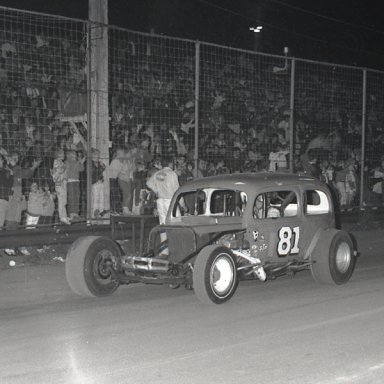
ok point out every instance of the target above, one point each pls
(257, 29)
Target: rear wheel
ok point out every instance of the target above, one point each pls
(214, 275)
(87, 266)
(337, 266)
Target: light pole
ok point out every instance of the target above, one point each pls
(256, 31)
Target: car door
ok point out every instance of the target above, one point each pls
(318, 213)
(276, 230)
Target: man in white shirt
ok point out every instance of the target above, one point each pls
(164, 183)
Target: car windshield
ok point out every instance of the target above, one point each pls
(210, 202)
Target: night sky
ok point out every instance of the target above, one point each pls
(341, 31)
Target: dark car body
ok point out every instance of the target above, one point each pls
(225, 228)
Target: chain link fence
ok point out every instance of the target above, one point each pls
(88, 112)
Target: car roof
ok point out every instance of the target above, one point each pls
(249, 181)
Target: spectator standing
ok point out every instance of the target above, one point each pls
(236, 161)
(254, 153)
(310, 165)
(221, 168)
(211, 169)
(35, 206)
(184, 172)
(340, 177)
(43, 173)
(201, 168)
(6, 182)
(114, 170)
(142, 158)
(156, 146)
(17, 203)
(143, 154)
(278, 159)
(125, 180)
(350, 182)
(74, 167)
(48, 207)
(327, 172)
(60, 178)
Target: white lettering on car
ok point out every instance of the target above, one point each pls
(288, 241)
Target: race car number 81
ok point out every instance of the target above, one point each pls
(288, 241)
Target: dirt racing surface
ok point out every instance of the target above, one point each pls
(287, 331)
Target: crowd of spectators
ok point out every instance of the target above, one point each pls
(244, 124)
(244, 115)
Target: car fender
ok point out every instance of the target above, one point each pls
(320, 234)
(210, 248)
(324, 240)
(206, 249)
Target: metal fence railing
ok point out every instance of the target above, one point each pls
(88, 110)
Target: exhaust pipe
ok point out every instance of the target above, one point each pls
(146, 264)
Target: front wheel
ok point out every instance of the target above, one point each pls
(87, 266)
(337, 266)
(214, 275)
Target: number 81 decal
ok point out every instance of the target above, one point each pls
(288, 241)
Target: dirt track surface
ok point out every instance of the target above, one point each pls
(287, 331)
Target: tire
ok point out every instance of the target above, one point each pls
(214, 275)
(84, 269)
(337, 266)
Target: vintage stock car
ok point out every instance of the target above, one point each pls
(223, 229)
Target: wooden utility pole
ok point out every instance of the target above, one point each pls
(255, 10)
(257, 36)
(98, 121)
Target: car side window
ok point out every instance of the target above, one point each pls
(275, 204)
(228, 203)
(316, 202)
(220, 202)
(190, 203)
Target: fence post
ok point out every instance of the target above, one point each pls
(291, 117)
(89, 124)
(197, 92)
(98, 17)
(363, 126)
